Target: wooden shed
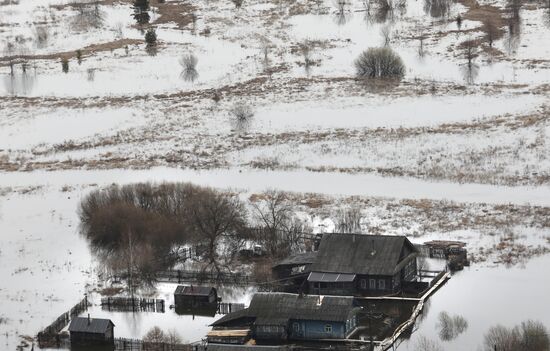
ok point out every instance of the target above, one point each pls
(194, 297)
(86, 331)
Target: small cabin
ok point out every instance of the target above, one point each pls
(194, 297)
(86, 331)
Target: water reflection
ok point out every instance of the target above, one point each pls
(449, 327)
(438, 8)
(19, 83)
(89, 15)
(141, 11)
(470, 71)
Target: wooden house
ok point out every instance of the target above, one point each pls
(360, 264)
(195, 297)
(91, 332)
(279, 317)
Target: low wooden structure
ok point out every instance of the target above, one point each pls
(229, 336)
(91, 332)
(195, 297)
(453, 251)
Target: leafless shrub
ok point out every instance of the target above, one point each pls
(379, 63)
(424, 343)
(189, 65)
(242, 115)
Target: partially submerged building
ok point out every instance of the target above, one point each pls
(359, 264)
(86, 331)
(197, 300)
(279, 317)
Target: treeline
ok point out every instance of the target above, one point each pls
(141, 227)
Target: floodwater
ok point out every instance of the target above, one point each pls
(485, 297)
(49, 267)
(295, 181)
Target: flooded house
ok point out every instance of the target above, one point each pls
(195, 298)
(280, 317)
(358, 264)
(86, 331)
(352, 264)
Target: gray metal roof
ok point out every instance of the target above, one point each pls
(193, 290)
(331, 277)
(92, 325)
(361, 254)
(279, 308)
(298, 259)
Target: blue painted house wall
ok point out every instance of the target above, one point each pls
(310, 330)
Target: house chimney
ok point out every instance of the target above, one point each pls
(89, 319)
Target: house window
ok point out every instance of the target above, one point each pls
(372, 284)
(296, 327)
(328, 328)
(363, 283)
(381, 284)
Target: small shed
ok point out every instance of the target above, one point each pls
(86, 331)
(186, 297)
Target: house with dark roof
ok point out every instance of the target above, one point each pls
(360, 264)
(200, 300)
(91, 332)
(278, 317)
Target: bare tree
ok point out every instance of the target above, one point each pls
(349, 220)
(280, 228)
(215, 217)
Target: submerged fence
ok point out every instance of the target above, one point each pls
(132, 304)
(49, 336)
(122, 344)
(181, 276)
